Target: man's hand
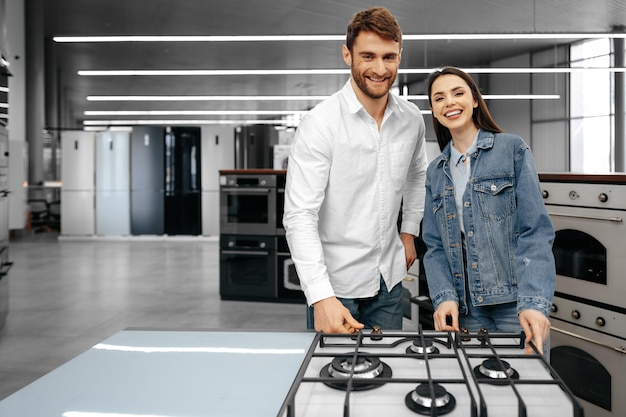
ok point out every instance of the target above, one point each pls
(332, 317)
(445, 310)
(410, 253)
(536, 326)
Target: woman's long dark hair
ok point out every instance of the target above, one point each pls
(481, 116)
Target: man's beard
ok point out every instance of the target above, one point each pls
(361, 82)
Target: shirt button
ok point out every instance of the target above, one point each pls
(479, 299)
(466, 204)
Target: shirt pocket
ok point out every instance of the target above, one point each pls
(496, 197)
(400, 155)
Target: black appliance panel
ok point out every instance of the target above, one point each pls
(183, 202)
(147, 199)
(248, 267)
(248, 204)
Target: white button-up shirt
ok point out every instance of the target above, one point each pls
(346, 182)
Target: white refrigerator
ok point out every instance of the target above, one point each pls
(113, 183)
(218, 150)
(77, 176)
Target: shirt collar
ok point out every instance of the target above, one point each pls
(354, 105)
(457, 156)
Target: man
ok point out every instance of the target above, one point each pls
(357, 158)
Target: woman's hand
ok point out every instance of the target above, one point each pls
(445, 310)
(536, 326)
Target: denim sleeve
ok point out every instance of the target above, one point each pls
(534, 261)
(438, 273)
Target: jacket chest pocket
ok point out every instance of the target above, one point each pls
(496, 197)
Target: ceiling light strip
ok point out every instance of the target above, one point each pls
(91, 73)
(190, 112)
(281, 98)
(299, 38)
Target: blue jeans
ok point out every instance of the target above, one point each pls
(384, 309)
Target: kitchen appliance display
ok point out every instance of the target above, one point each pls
(588, 318)
(112, 153)
(147, 180)
(248, 267)
(183, 177)
(474, 374)
(248, 204)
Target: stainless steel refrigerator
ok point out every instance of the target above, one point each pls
(113, 183)
(183, 181)
(78, 190)
(147, 181)
(218, 148)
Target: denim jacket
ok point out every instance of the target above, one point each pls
(508, 231)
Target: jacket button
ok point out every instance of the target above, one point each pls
(466, 204)
(493, 187)
(470, 233)
(479, 299)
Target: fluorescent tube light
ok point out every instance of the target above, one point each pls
(190, 112)
(296, 98)
(296, 38)
(548, 70)
(203, 98)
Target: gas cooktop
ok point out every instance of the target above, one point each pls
(426, 373)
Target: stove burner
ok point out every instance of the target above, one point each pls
(490, 369)
(366, 368)
(417, 347)
(420, 401)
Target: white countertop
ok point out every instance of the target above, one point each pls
(169, 374)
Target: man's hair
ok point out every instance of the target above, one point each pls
(377, 20)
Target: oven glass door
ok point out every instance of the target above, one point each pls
(248, 210)
(591, 366)
(247, 267)
(587, 250)
(289, 289)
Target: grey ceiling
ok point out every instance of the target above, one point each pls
(278, 17)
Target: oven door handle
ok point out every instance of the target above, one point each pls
(247, 190)
(244, 252)
(620, 349)
(577, 216)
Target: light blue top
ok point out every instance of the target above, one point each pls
(460, 175)
(169, 373)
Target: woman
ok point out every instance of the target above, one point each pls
(489, 262)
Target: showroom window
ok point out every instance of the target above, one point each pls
(591, 108)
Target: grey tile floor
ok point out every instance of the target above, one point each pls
(67, 295)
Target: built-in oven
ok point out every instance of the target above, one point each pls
(287, 280)
(588, 315)
(248, 203)
(248, 267)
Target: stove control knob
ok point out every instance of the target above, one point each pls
(262, 245)
(600, 322)
(545, 193)
(554, 308)
(575, 314)
(603, 197)
(573, 195)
